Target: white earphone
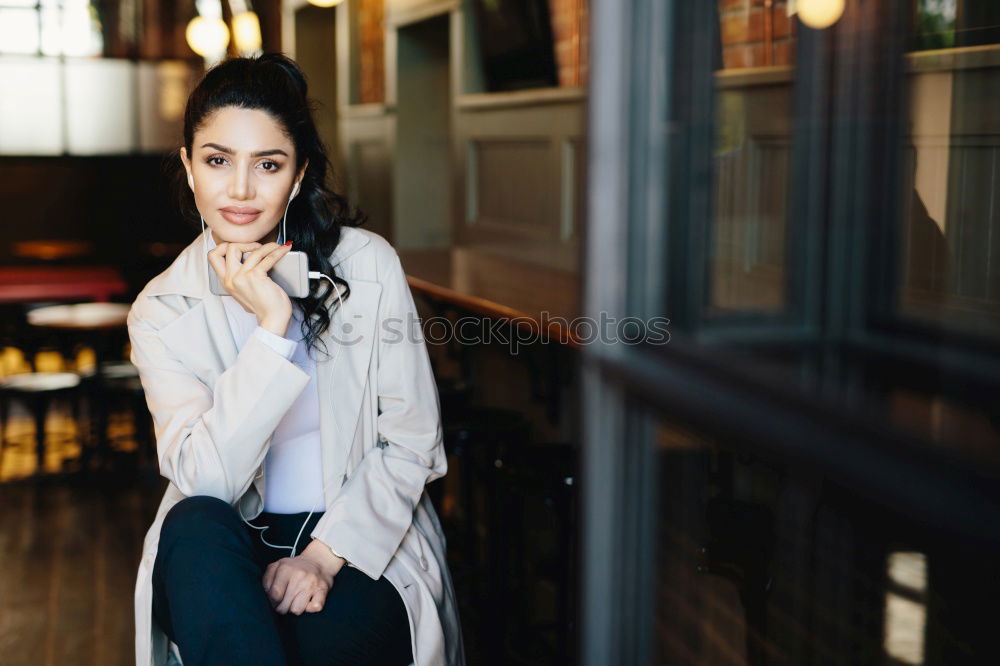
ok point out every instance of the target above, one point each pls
(343, 476)
(295, 191)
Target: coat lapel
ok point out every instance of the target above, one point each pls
(341, 378)
(205, 322)
(202, 340)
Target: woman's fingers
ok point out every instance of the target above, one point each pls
(296, 587)
(216, 259)
(268, 262)
(301, 600)
(318, 600)
(268, 578)
(255, 257)
(234, 257)
(279, 586)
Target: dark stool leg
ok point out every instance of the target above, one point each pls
(39, 408)
(103, 449)
(568, 542)
(4, 413)
(90, 433)
(76, 404)
(143, 431)
(4, 410)
(496, 553)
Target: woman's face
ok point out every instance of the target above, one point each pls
(241, 170)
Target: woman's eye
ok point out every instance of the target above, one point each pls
(219, 160)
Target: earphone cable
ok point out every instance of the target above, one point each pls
(313, 275)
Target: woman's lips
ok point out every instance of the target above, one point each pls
(240, 214)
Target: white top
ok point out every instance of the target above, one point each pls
(293, 464)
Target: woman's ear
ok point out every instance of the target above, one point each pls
(302, 174)
(187, 167)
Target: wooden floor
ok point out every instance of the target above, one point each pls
(69, 549)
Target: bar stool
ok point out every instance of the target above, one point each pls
(37, 390)
(539, 495)
(454, 395)
(120, 386)
(477, 438)
(102, 327)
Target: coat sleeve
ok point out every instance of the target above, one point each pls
(368, 518)
(212, 441)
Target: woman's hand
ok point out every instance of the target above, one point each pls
(249, 283)
(300, 584)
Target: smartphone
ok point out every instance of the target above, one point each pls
(291, 273)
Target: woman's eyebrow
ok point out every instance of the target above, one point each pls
(260, 153)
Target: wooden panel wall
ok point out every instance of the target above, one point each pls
(753, 147)
(519, 176)
(368, 143)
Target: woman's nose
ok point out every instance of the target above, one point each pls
(240, 186)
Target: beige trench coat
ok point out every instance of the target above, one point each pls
(214, 408)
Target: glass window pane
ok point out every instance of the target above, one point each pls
(759, 562)
(30, 106)
(74, 29)
(752, 145)
(18, 31)
(100, 97)
(950, 268)
(51, 30)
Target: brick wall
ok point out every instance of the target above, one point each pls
(569, 32)
(750, 39)
(371, 60)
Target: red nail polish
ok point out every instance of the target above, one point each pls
(288, 242)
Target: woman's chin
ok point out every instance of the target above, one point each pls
(234, 234)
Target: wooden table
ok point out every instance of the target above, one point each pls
(81, 316)
(26, 284)
(53, 249)
(493, 285)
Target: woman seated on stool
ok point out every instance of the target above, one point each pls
(297, 434)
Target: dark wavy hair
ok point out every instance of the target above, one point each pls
(274, 83)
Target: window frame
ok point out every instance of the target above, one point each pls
(650, 123)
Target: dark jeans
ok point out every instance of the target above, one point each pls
(209, 598)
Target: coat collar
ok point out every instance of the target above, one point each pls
(188, 274)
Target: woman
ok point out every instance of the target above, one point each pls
(297, 433)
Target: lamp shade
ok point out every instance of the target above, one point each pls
(324, 3)
(820, 14)
(246, 32)
(207, 37)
